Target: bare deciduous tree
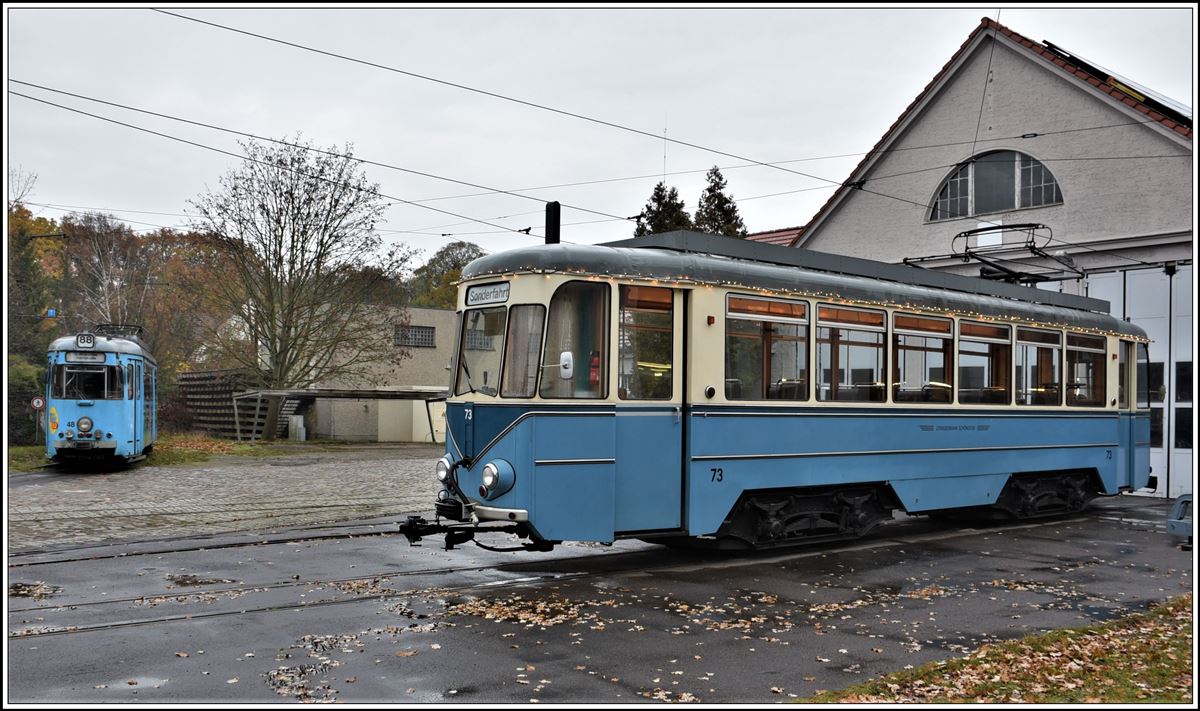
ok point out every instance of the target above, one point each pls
(298, 229)
(111, 274)
(20, 185)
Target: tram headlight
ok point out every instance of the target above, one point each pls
(442, 469)
(491, 475)
(84, 424)
(70, 434)
(497, 477)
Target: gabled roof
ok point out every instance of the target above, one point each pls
(1097, 80)
(785, 236)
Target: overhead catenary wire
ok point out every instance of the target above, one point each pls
(1024, 136)
(859, 185)
(322, 151)
(243, 157)
(151, 225)
(425, 231)
(495, 95)
(491, 191)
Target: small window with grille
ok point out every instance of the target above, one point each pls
(414, 336)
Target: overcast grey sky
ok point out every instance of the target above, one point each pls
(771, 84)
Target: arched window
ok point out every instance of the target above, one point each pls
(995, 182)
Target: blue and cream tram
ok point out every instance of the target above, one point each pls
(100, 396)
(686, 386)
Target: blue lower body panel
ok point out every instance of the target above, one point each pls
(595, 473)
(931, 461)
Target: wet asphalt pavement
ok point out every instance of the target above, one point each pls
(351, 613)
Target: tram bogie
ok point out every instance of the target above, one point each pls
(688, 390)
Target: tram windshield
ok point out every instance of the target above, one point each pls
(574, 363)
(480, 348)
(88, 382)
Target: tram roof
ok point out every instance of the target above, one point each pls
(710, 259)
(105, 344)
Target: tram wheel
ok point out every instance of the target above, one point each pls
(770, 519)
(1038, 494)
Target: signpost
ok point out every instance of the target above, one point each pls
(37, 403)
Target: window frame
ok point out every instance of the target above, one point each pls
(623, 328)
(504, 359)
(961, 336)
(803, 322)
(1101, 371)
(932, 214)
(833, 323)
(1059, 347)
(606, 352)
(461, 347)
(949, 354)
(402, 336)
(113, 386)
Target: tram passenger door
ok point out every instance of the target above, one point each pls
(136, 390)
(650, 417)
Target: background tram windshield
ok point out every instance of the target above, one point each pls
(88, 382)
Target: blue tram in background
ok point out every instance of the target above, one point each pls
(100, 396)
(685, 386)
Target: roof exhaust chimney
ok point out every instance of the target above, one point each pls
(553, 219)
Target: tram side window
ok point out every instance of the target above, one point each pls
(850, 355)
(521, 347)
(646, 343)
(984, 364)
(148, 398)
(922, 350)
(577, 325)
(1123, 374)
(1039, 355)
(766, 349)
(479, 354)
(1143, 377)
(1087, 366)
(88, 382)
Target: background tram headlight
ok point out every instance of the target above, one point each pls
(442, 469)
(84, 424)
(70, 434)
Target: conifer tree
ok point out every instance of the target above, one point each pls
(663, 213)
(717, 212)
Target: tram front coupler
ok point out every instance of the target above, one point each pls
(415, 528)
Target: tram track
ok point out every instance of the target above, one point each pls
(616, 562)
(168, 596)
(238, 507)
(284, 607)
(342, 533)
(609, 564)
(185, 549)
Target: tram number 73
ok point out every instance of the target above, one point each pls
(718, 474)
